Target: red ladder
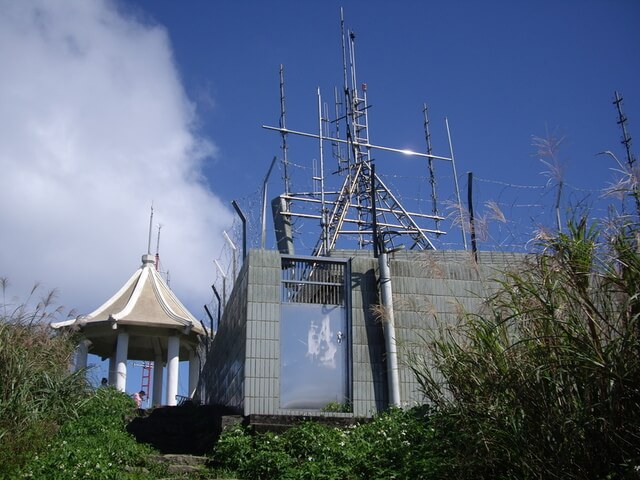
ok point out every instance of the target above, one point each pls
(147, 367)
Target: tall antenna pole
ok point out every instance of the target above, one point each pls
(150, 230)
(337, 148)
(455, 180)
(626, 141)
(323, 210)
(344, 53)
(622, 121)
(346, 92)
(283, 126)
(158, 248)
(432, 177)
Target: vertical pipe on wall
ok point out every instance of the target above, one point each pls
(393, 378)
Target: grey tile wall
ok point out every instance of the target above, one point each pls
(429, 288)
(223, 373)
(263, 334)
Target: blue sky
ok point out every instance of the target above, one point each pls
(501, 71)
(111, 105)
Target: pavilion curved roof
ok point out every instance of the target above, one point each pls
(145, 300)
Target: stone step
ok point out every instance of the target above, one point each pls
(182, 466)
(177, 459)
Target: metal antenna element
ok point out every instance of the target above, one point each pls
(362, 200)
(323, 209)
(283, 126)
(626, 141)
(150, 230)
(158, 240)
(622, 121)
(432, 177)
(455, 181)
(158, 248)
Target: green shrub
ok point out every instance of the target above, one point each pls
(396, 444)
(95, 445)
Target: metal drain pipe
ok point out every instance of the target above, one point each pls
(393, 378)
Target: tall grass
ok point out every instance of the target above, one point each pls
(545, 383)
(37, 391)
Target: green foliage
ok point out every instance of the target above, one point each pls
(340, 407)
(37, 392)
(546, 382)
(395, 444)
(95, 445)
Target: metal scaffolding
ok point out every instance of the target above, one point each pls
(363, 207)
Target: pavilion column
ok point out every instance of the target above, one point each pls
(173, 364)
(113, 369)
(82, 354)
(158, 366)
(122, 351)
(194, 372)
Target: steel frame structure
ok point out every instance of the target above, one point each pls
(364, 206)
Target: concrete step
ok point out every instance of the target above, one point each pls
(182, 465)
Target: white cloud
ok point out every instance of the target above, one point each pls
(94, 126)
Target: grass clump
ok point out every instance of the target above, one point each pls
(52, 424)
(545, 383)
(37, 392)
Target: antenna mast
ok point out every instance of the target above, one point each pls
(283, 126)
(626, 141)
(150, 230)
(158, 248)
(363, 200)
(432, 177)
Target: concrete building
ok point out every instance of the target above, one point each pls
(309, 336)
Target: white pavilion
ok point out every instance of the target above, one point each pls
(143, 321)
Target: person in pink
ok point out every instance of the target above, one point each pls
(139, 398)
